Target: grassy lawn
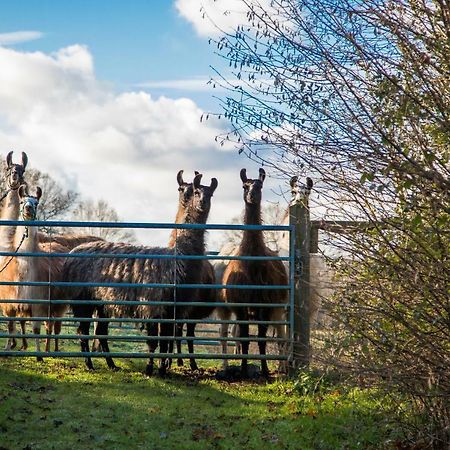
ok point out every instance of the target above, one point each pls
(58, 404)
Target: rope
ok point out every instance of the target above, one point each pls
(5, 195)
(25, 235)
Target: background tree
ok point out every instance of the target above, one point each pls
(89, 211)
(357, 94)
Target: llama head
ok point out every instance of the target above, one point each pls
(253, 187)
(300, 191)
(14, 172)
(29, 203)
(185, 190)
(201, 199)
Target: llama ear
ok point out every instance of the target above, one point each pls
(244, 175)
(197, 180)
(293, 180)
(38, 192)
(309, 183)
(24, 160)
(196, 173)
(180, 177)
(9, 159)
(23, 191)
(262, 175)
(214, 184)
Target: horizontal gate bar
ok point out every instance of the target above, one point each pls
(138, 338)
(146, 355)
(178, 226)
(146, 285)
(144, 256)
(127, 319)
(178, 303)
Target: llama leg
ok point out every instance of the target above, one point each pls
(236, 332)
(244, 331)
(282, 348)
(58, 326)
(11, 342)
(224, 343)
(102, 329)
(23, 326)
(179, 333)
(166, 329)
(190, 333)
(49, 332)
(83, 329)
(37, 331)
(262, 332)
(152, 330)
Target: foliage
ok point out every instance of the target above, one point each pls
(357, 94)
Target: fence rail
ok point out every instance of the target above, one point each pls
(175, 304)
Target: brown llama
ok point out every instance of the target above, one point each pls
(140, 271)
(186, 193)
(270, 272)
(31, 269)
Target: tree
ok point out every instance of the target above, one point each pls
(89, 211)
(357, 94)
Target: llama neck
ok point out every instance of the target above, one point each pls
(180, 218)
(30, 242)
(252, 240)
(191, 241)
(10, 211)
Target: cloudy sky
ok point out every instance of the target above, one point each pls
(106, 97)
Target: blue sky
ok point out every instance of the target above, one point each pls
(133, 42)
(106, 97)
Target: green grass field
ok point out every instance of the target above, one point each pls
(57, 404)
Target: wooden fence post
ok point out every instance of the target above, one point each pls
(299, 216)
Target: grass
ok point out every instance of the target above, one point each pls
(57, 404)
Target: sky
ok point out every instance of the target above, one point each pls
(106, 96)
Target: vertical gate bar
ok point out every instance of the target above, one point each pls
(291, 292)
(299, 217)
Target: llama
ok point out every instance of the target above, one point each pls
(270, 272)
(186, 193)
(10, 211)
(26, 269)
(140, 271)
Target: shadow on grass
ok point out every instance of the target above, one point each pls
(57, 404)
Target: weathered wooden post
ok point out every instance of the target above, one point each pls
(299, 217)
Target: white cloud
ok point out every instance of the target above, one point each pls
(212, 17)
(125, 148)
(17, 37)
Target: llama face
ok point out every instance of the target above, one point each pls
(201, 200)
(300, 191)
(29, 203)
(252, 187)
(14, 172)
(185, 190)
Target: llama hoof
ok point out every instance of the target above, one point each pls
(180, 362)
(194, 366)
(39, 359)
(23, 348)
(149, 370)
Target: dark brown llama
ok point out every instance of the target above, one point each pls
(140, 271)
(185, 201)
(255, 272)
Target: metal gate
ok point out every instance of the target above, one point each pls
(126, 334)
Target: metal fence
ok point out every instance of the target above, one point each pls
(126, 332)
